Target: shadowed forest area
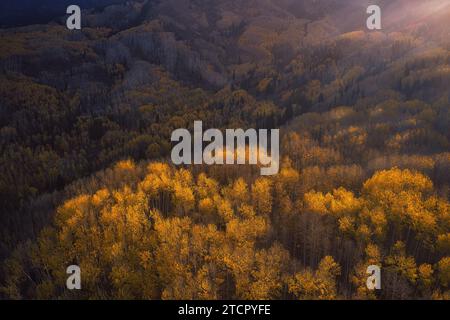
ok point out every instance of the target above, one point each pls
(86, 177)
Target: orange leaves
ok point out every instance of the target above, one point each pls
(317, 202)
(405, 198)
(401, 264)
(399, 197)
(377, 219)
(224, 208)
(443, 243)
(261, 196)
(444, 271)
(344, 202)
(338, 203)
(239, 192)
(373, 254)
(100, 197)
(206, 206)
(319, 284)
(158, 178)
(206, 187)
(268, 273)
(425, 272)
(183, 197)
(188, 259)
(246, 231)
(394, 181)
(176, 235)
(328, 268)
(125, 165)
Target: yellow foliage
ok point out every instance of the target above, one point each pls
(262, 196)
(320, 284)
(443, 267)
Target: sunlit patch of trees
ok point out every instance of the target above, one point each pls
(169, 234)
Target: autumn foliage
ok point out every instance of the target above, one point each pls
(175, 235)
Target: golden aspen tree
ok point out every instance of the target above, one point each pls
(127, 239)
(246, 231)
(224, 208)
(189, 259)
(238, 193)
(443, 243)
(239, 261)
(172, 257)
(319, 284)
(262, 196)
(288, 177)
(305, 286)
(443, 268)
(328, 271)
(246, 211)
(157, 185)
(400, 273)
(384, 185)
(425, 279)
(206, 187)
(285, 186)
(206, 207)
(268, 273)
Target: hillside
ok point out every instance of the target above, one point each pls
(85, 174)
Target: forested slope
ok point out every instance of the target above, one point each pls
(85, 124)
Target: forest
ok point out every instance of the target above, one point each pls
(86, 119)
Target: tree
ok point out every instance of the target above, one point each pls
(319, 284)
(261, 196)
